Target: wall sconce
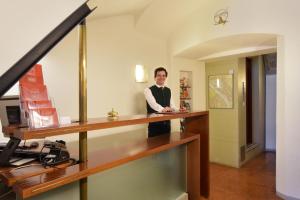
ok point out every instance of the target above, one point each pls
(141, 75)
(218, 83)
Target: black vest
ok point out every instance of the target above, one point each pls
(162, 97)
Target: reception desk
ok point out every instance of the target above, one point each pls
(35, 180)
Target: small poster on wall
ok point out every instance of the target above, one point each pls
(186, 90)
(220, 91)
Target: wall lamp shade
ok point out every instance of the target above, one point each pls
(140, 74)
(218, 83)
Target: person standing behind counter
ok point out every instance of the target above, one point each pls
(159, 99)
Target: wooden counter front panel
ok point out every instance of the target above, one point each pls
(200, 125)
(106, 159)
(193, 172)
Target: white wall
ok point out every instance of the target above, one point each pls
(198, 85)
(271, 112)
(252, 17)
(198, 77)
(114, 48)
(28, 19)
(25, 28)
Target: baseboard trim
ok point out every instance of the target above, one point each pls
(285, 197)
(183, 196)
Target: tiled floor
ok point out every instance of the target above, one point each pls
(255, 180)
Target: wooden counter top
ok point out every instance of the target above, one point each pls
(93, 124)
(14, 174)
(10, 175)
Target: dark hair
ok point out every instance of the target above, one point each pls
(159, 69)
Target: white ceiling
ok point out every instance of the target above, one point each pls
(155, 17)
(108, 8)
(161, 17)
(227, 45)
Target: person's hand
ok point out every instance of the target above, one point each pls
(167, 109)
(182, 109)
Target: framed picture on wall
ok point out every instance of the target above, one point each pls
(185, 86)
(220, 91)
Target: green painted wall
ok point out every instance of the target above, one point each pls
(223, 123)
(228, 126)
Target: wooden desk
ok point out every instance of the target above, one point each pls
(27, 184)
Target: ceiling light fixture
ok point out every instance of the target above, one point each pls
(221, 17)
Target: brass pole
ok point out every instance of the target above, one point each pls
(83, 103)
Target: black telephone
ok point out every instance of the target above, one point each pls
(8, 151)
(57, 153)
(52, 153)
